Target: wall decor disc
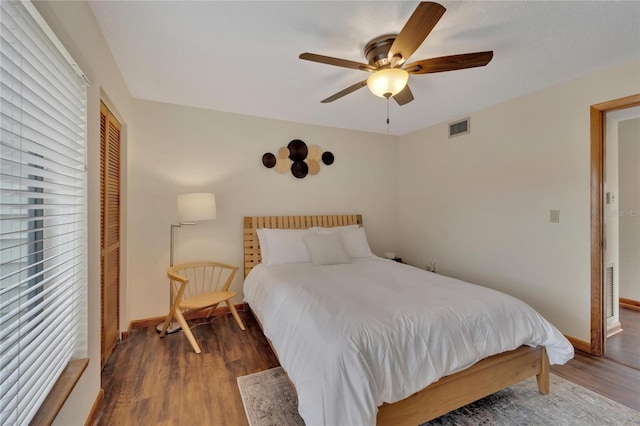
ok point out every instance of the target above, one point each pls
(268, 160)
(283, 165)
(283, 152)
(327, 158)
(314, 166)
(297, 150)
(299, 169)
(315, 153)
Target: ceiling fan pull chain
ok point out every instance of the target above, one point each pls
(387, 114)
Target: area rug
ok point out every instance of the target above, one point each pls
(269, 400)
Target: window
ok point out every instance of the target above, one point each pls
(43, 234)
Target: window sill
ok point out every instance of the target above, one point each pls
(60, 392)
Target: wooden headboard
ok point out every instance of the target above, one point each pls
(251, 223)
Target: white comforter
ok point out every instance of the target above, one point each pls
(356, 335)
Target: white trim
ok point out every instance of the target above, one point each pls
(29, 7)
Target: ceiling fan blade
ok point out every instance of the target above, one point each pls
(404, 97)
(450, 63)
(417, 28)
(336, 61)
(345, 92)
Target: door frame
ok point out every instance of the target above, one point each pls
(598, 311)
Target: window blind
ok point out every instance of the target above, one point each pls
(43, 233)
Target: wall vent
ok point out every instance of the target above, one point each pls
(460, 127)
(608, 284)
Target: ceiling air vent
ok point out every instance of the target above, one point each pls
(460, 127)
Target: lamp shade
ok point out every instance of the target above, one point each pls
(196, 207)
(388, 82)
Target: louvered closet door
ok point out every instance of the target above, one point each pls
(109, 230)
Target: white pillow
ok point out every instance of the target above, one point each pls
(326, 249)
(264, 249)
(320, 229)
(355, 242)
(280, 246)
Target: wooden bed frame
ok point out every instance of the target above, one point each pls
(449, 393)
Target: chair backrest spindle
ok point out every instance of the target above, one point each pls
(202, 277)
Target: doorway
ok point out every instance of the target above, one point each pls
(109, 232)
(622, 235)
(598, 200)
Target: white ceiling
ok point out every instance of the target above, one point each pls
(242, 56)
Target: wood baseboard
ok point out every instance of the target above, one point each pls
(580, 345)
(614, 329)
(152, 322)
(629, 304)
(95, 409)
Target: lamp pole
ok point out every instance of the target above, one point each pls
(174, 326)
(192, 208)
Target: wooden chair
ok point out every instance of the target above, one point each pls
(197, 286)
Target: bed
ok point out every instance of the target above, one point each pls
(372, 352)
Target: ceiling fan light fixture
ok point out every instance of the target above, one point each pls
(387, 82)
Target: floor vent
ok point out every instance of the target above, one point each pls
(608, 283)
(461, 127)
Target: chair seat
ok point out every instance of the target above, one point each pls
(208, 299)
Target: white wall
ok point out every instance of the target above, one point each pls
(180, 149)
(479, 203)
(629, 216)
(75, 26)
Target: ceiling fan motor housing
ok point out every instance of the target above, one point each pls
(377, 50)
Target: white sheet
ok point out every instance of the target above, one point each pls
(356, 335)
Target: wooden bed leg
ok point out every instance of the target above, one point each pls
(543, 376)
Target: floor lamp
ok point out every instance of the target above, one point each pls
(192, 208)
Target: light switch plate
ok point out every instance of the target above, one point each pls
(554, 216)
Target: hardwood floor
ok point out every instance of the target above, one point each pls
(604, 376)
(624, 347)
(616, 375)
(155, 381)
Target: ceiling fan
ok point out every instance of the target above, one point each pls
(387, 56)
